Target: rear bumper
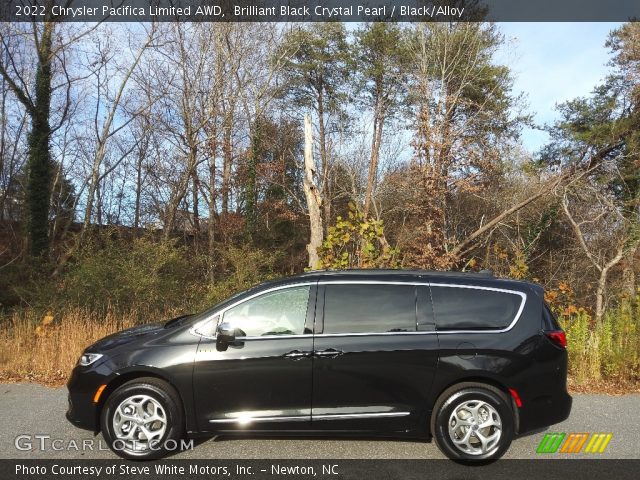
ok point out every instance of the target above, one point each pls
(544, 411)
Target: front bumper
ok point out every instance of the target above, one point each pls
(82, 386)
(82, 415)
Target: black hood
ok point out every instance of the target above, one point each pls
(126, 336)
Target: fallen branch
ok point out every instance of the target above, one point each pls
(469, 242)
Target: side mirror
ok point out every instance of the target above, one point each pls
(226, 333)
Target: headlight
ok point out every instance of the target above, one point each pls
(88, 358)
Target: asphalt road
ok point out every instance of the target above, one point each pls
(29, 409)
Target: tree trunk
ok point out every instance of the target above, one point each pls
(136, 214)
(313, 197)
(629, 275)
(600, 293)
(98, 204)
(378, 122)
(324, 161)
(39, 160)
(177, 195)
(251, 188)
(227, 158)
(172, 211)
(195, 182)
(54, 204)
(93, 186)
(211, 204)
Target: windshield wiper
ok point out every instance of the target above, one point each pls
(174, 322)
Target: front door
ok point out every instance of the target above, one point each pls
(264, 377)
(375, 357)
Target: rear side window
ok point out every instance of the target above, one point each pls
(355, 308)
(460, 308)
(549, 319)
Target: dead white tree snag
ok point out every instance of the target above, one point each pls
(314, 200)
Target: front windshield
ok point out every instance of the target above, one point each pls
(211, 310)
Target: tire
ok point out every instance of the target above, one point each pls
(141, 418)
(458, 418)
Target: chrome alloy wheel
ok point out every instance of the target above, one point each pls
(139, 423)
(475, 427)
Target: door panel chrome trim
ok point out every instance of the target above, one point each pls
(347, 416)
(297, 418)
(271, 337)
(374, 334)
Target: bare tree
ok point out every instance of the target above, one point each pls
(13, 125)
(257, 88)
(465, 119)
(312, 194)
(112, 123)
(187, 115)
(383, 62)
(604, 234)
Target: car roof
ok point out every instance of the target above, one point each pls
(484, 277)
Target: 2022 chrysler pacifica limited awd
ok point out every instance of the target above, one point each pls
(467, 359)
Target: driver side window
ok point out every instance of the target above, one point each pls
(281, 312)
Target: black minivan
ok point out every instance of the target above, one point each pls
(465, 358)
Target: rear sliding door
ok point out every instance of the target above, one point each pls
(372, 365)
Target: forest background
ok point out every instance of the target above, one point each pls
(148, 170)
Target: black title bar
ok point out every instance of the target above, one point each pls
(319, 10)
(329, 469)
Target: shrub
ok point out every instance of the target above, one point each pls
(356, 242)
(239, 269)
(141, 273)
(609, 350)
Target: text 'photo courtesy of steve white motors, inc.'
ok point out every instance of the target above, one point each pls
(319, 239)
(170, 470)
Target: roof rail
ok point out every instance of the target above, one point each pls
(384, 271)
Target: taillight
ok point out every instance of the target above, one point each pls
(516, 397)
(558, 337)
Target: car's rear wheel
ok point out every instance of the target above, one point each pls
(473, 422)
(142, 419)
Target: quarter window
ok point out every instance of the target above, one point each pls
(549, 319)
(364, 308)
(458, 308)
(281, 312)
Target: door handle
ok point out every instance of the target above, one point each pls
(296, 354)
(330, 352)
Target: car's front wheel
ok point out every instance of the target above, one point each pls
(142, 419)
(473, 422)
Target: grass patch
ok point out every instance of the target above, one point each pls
(605, 353)
(45, 348)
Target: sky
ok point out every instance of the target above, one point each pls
(552, 63)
